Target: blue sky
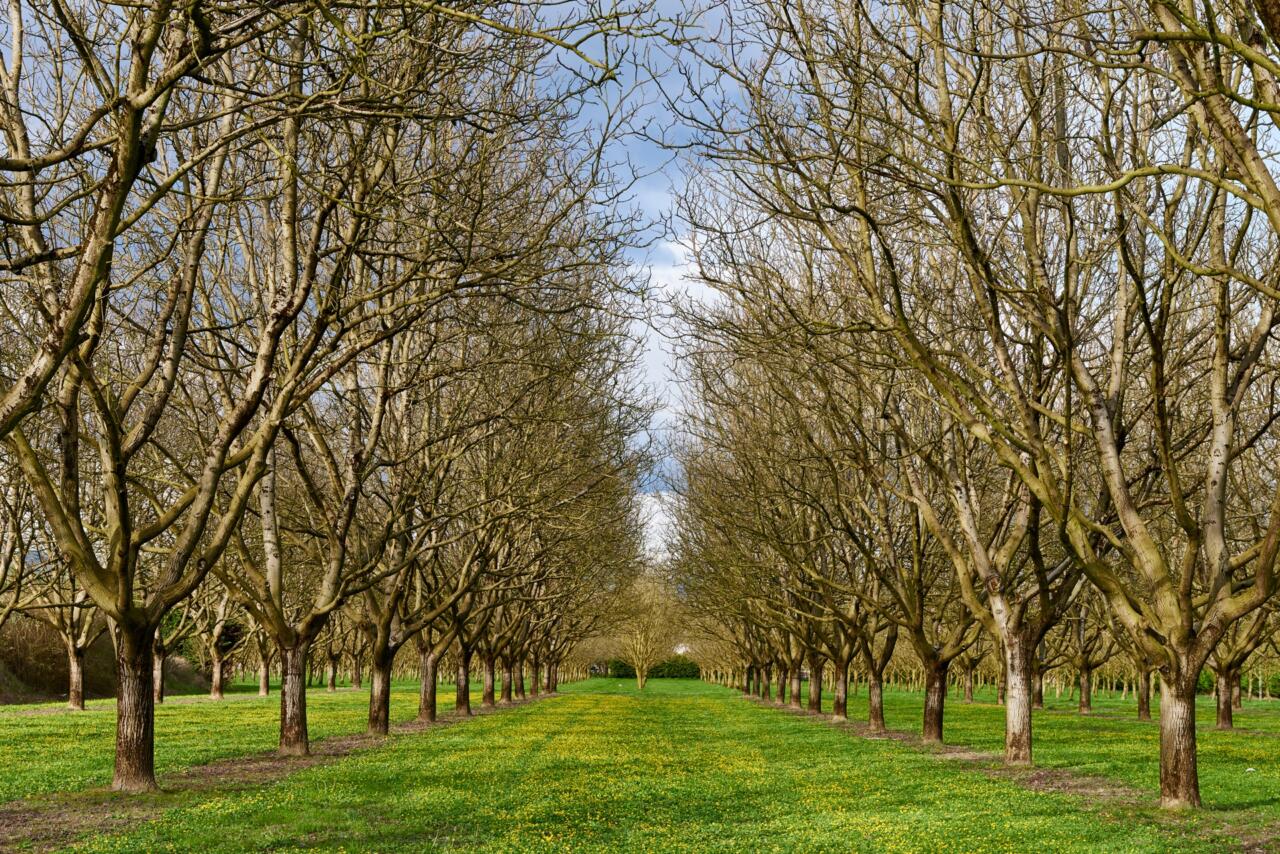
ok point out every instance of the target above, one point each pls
(659, 181)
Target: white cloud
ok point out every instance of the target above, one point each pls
(655, 509)
(671, 276)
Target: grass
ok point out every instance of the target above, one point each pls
(1238, 771)
(684, 767)
(46, 749)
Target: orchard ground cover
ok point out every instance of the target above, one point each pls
(691, 767)
(1239, 768)
(46, 748)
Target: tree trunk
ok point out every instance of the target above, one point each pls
(840, 696)
(1179, 780)
(875, 701)
(157, 672)
(331, 675)
(380, 690)
(1237, 702)
(75, 677)
(1037, 686)
(815, 685)
(294, 739)
(462, 691)
(968, 685)
(519, 675)
(548, 681)
(428, 664)
(781, 696)
(264, 676)
(1086, 690)
(766, 682)
(487, 699)
(135, 713)
(357, 672)
(935, 698)
(216, 673)
(535, 676)
(1226, 718)
(508, 678)
(1144, 695)
(1017, 706)
(794, 700)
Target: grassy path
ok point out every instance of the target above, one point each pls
(684, 767)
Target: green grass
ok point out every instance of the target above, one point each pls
(53, 750)
(683, 767)
(1112, 743)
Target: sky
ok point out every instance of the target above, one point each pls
(671, 275)
(665, 260)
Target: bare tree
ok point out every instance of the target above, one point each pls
(647, 636)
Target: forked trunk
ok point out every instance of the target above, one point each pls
(1017, 706)
(135, 713)
(487, 699)
(294, 740)
(875, 701)
(75, 677)
(428, 664)
(935, 698)
(1179, 780)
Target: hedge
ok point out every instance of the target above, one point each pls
(676, 667)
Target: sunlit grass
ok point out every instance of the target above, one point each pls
(683, 767)
(54, 750)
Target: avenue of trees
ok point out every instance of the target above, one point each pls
(990, 370)
(315, 343)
